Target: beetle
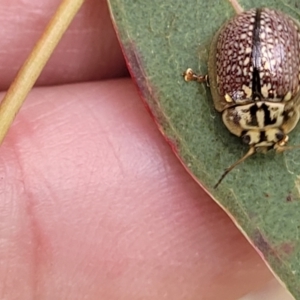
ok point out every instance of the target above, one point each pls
(254, 78)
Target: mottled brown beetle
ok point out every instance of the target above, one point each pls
(254, 74)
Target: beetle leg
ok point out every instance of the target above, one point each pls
(190, 75)
(251, 151)
(285, 148)
(281, 145)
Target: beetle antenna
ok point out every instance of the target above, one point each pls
(251, 151)
(280, 149)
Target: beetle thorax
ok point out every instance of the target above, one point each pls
(259, 123)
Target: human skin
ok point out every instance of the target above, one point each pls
(93, 203)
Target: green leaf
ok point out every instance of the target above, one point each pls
(160, 40)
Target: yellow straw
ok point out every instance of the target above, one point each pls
(35, 63)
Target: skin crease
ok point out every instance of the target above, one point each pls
(93, 203)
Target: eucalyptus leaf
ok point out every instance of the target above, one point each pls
(160, 40)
